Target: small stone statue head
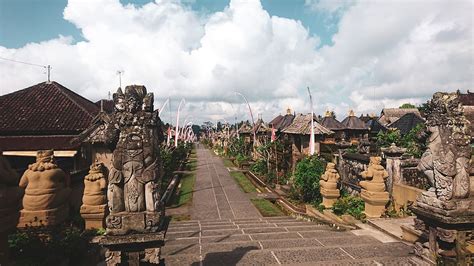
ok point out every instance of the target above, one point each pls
(45, 156)
(119, 100)
(375, 160)
(330, 166)
(148, 103)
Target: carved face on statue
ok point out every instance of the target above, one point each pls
(119, 100)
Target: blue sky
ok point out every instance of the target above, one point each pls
(26, 21)
(361, 55)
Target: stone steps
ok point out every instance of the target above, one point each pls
(273, 241)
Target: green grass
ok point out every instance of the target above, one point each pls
(228, 163)
(191, 165)
(186, 191)
(243, 181)
(266, 208)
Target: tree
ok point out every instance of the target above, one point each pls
(407, 106)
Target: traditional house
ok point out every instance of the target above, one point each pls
(47, 116)
(246, 132)
(354, 129)
(374, 127)
(262, 131)
(406, 123)
(282, 121)
(330, 122)
(299, 132)
(390, 115)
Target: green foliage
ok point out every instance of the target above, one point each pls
(243, 182)
(350, 205)
(352, 149)
(411, 141)
(240, 158)
(259, 167)
(385, 139)
(407, 106)
(38, 246)
(307, 174)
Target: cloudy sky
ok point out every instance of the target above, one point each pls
(361, 55)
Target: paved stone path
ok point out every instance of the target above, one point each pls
(216, 194)
(226, 229)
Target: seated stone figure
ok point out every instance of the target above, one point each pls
(94, 200)
(375, 174)
(330, 177)
(46, 191)
(328, 185)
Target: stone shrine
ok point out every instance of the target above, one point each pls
(373, 190)
(46, 192)
(328, 184)
(94, 200)
(10, 203)
(445, 213)
(134, 133)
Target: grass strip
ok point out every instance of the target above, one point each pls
(186, 190)
(243, 181)
(228, 163)
(266, 208)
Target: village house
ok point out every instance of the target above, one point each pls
(406, 123)
(355, 129)
(280, 122)
(330, 122)
(390, 115)
(299, 132)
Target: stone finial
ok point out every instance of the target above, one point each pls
(328, 185)
(373, 190)
(351, 113)
(46, 192)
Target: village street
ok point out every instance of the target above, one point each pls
(226, 229)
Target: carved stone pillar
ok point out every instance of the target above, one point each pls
(373, 190)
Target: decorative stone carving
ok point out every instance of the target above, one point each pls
(328, 185)
(46, 192)
(447, 208)
(10, 202)
(94, 200)
(373, 190)
(134, 134)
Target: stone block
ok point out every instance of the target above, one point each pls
(137, 222)
(329, 197)
(93, 216)
(374, 203)
(44, 217)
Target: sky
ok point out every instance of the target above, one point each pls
(359, 55)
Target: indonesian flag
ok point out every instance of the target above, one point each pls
(273, 138)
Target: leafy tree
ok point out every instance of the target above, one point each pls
(407, 106)
(385, 139)
(307, 174)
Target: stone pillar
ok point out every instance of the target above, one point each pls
(10, 201)
(328, 185)
(94, 201)
(46, 192)
(373, 190)
(393, 155)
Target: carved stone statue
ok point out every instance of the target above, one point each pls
(134, 132)
(328, 185)
(10, 202)
(445, 213)
(94, 200)
(373, 190)
(46, 192)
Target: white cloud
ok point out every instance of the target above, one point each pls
(384, 54)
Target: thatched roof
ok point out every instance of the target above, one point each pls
(246, 128)
(261, 127)
(282, 121)
(374, 126)
(352, 122)
(330, 122)
(406, 123)
(301, 125)
(390, 115)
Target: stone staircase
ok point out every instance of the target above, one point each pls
(273, 241)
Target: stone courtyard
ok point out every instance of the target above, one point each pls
(226, 229)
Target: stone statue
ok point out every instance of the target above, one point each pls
(445, 213)
(10, 202)
(373, 190)
(328, 185)
(134, 132)
(46, 192)
(94, 200)
(375, 174)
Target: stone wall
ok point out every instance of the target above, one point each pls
(350, 166)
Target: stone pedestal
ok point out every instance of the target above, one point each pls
(44, 217)
(94, 216)
(135, 249)
(374, 203)
(133, 222)
(329, 196)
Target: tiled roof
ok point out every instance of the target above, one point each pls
(467, 99)
(45, 109)
(390, 115)
(107, 105)
(29, 143)
(301, 125)
(406, 123)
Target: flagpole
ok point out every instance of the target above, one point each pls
(311, 138)
(251, 115)
(177, 124)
